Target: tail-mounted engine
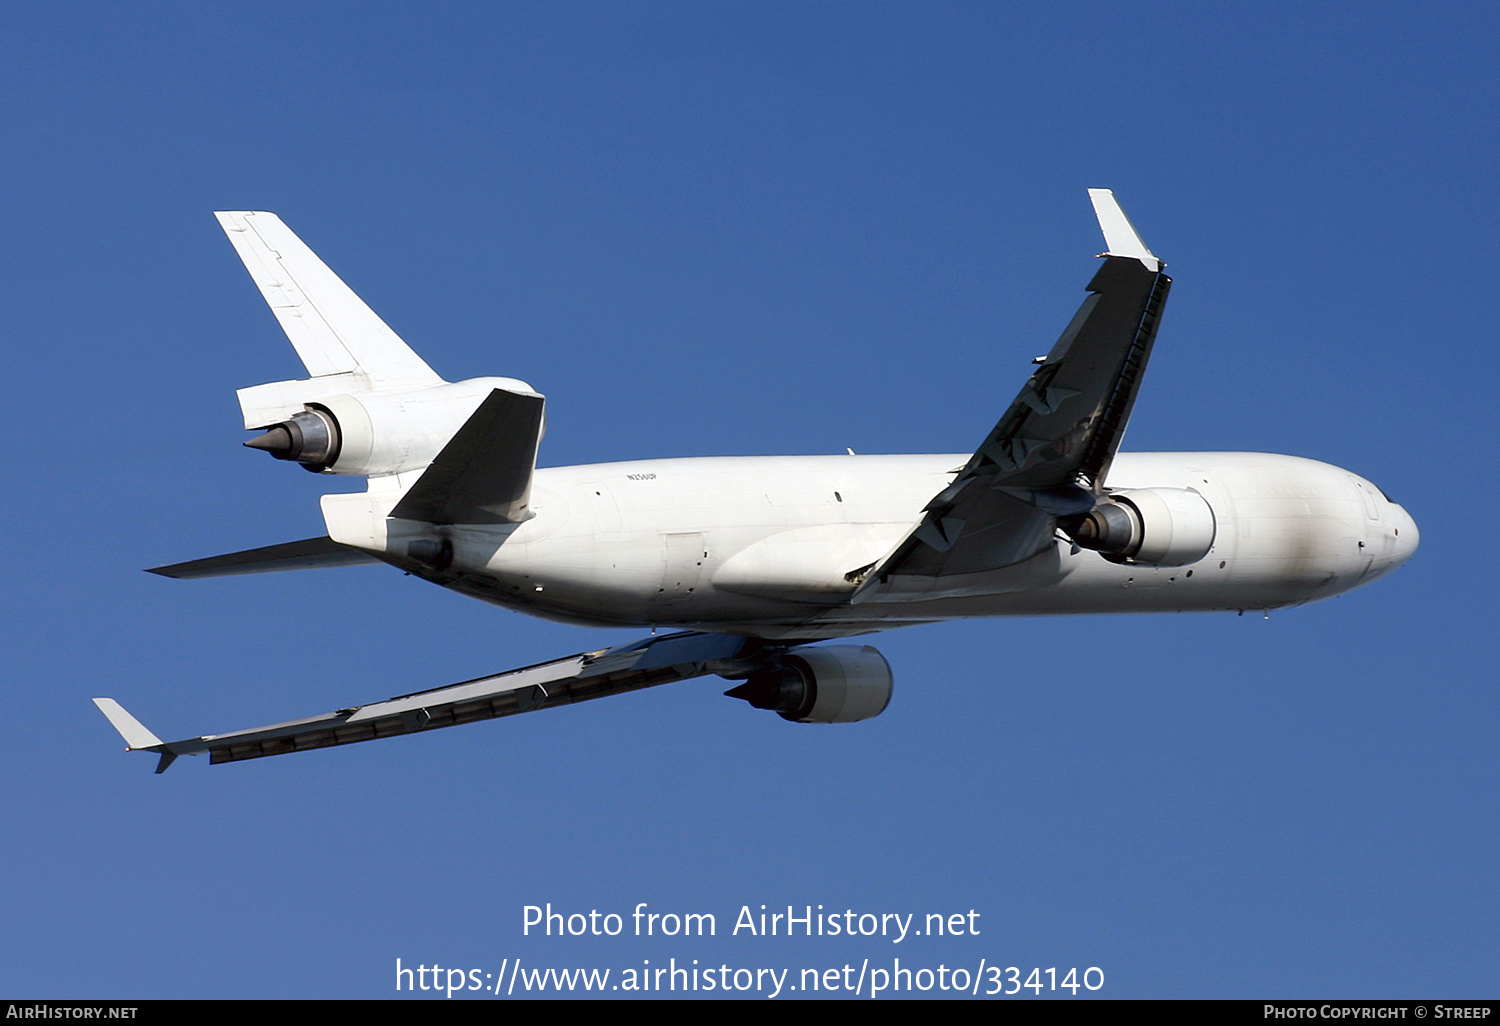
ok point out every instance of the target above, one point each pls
(1151, 526)
(826, 684)
(373, 433)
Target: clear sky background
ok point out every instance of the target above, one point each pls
(763, 228)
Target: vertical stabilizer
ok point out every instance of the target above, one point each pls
(345, 346)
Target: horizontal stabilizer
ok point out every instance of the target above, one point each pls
(308, 554)
(483, 474)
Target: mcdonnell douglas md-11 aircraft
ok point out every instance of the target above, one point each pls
(756, 558)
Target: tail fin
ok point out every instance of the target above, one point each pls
(345, 346)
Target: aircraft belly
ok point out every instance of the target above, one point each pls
(807, 564)
(695, 541)
(639, 578)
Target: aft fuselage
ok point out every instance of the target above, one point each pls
(765, 546)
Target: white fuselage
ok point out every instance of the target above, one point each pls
(762, 545)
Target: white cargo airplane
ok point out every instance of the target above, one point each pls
(757, 557)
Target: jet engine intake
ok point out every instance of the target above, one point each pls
(376, 433)
(825, 684)
(1150, 526)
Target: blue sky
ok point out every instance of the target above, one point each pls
(747, 229)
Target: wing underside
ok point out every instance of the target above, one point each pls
(576, 678)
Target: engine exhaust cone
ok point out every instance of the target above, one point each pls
(760, 693)
(277, 442)
(310, 437)
(783, 689)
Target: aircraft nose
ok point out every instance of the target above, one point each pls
(1407, 537)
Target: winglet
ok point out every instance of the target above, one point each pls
(139, 739)
(131, 729)
(1120, 235)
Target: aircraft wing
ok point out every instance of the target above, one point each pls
(1050, 452)
(576, 678)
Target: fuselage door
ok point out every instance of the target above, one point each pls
(683, 557)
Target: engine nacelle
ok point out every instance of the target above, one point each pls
(374, 433)
(1153, 526)
(824, 684)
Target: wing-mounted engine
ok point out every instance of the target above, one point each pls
(1151, 526)
(379, 432)
(824, 684)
